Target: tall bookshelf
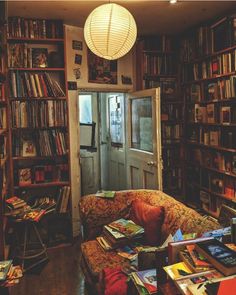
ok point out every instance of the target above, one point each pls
(38, 108)
(4, 141)
(208, 56)
(157, 58)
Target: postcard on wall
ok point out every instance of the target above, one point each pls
(101, 70)
(78, 59)
(77, 45)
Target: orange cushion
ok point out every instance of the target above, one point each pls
(150, 218)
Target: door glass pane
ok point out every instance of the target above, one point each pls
(115, 120)
(141, 124)
(85, 108)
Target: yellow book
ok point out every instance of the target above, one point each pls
(178, 270)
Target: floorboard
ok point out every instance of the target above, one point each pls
(61, 275)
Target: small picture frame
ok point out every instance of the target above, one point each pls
(77, 45)
(78, 59)
(39, 57)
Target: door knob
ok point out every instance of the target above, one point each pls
(152, 163)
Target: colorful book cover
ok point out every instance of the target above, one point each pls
(126, 227)
(177, 270)
(197, 258)
(149, 279)
(221, 287)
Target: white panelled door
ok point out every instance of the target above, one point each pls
(143, 151)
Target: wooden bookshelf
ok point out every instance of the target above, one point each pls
(157, 67)
(4, 142)
(208, 84)
(38, 104)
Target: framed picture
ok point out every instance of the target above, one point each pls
(39, 57)
(28, 148)
(101, 70)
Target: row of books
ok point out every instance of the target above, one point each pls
(222, 89)
(220, 65)
(2, 91)
(9, 273)
(173, 179)
(39, 174)
(24, 84)
(171, 112)
(43, 143)
(20, 27)
(214, 159)
(171, 132)
(215, 137)
(3, 147)
(159, 65)
(208, 39)
(50, 113)
(3, 118)
(22, 55)
(171, 157)
(218, 183)
(212, 113)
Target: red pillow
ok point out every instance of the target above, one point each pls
(150, 218)
(115, 281)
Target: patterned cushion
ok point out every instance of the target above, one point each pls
(97, 259)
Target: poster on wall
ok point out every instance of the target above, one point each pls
(101, 70)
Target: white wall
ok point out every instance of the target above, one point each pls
(125, 67)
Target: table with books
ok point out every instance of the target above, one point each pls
(196, 265)
(24, 220)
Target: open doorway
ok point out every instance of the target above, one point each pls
(102, 141)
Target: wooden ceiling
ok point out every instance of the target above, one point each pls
(152, 17)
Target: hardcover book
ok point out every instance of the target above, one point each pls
(222, 257)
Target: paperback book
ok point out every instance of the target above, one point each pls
(127, 227)
(147, 279)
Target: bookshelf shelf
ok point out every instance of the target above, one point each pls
(39, 158)
(35, 40)
(209, 78)
(208, 84)
(45, 184)
(37, 98)
(211, 146)
(38, 69)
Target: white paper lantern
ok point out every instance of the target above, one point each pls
(110, 31)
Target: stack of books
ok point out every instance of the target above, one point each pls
(9, 274)
(119, 233)
(15, 203)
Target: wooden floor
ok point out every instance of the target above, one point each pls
(60, 276)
